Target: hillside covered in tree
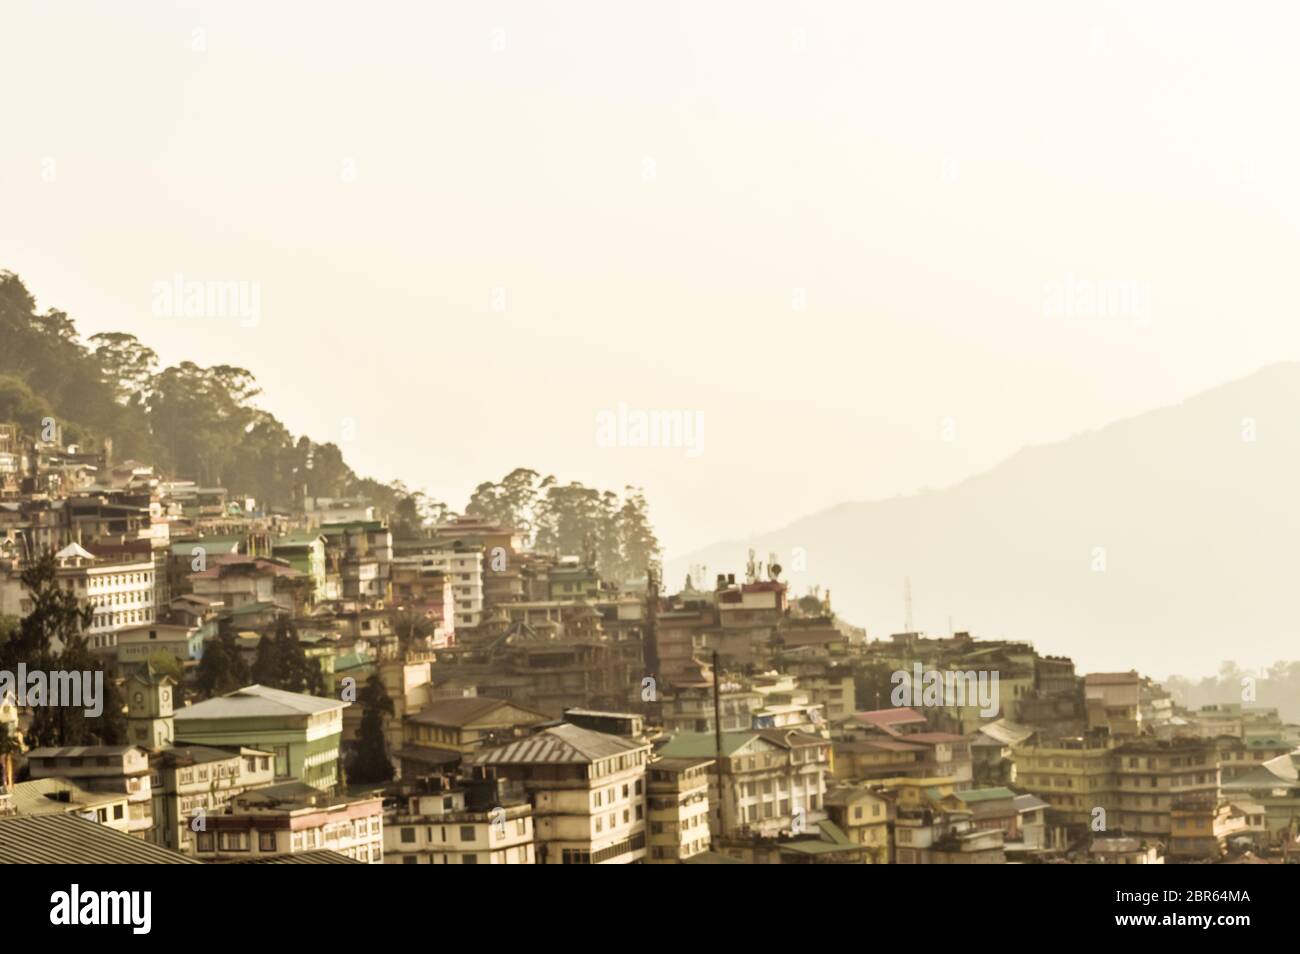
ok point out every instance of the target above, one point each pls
(203, 424)
(190, 421)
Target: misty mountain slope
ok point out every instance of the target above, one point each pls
(1196, 528)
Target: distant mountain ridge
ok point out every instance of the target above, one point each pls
(1165, 542)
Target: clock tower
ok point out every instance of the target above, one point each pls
(149, 698)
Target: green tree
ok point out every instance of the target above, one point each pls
(637, 540)
(411, 627)
(222, 668)
(56, 617)
(370, 764)
(512, 503)
(266, 663)
(282, 662)
(65, 725)
(50, 639)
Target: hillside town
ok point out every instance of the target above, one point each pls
(323, 682)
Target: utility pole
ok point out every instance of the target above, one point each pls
(650, 645)
(717, 738)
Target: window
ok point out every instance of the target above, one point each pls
(408, 836)
(266, 841)
(205, 841)
(467, 834)
(233, 840)
(470, 859)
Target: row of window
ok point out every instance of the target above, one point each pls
(859, 814)
(755, 762)
(1133, 763)
(520, 855)
(672, 828)
(126, 618)
(610, 795)
(118, 579)
(235, 841)
(468, 833)
(617, 764)
(613, 819)
(781, 809)
(754, 789)
(687, 850)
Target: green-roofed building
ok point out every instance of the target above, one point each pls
(210, 547)
(305, 552)
(985, 794)
(302, 732)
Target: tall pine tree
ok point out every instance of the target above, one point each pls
(222, 668)
(49, 639)
(370, 764)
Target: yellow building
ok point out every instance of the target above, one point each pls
(1202, 829)
(678, 804)
(463, 724)
(1074, 776)
(864, 817)
(1153, 776)
(874, 758)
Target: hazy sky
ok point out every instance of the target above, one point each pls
(837, 231)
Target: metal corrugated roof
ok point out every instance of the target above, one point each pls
(257, 700)
(985, 794)
(67, 839)
(321, 857)
(42, 796)
(561, 744)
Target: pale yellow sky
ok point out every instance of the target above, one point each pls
(831, 229)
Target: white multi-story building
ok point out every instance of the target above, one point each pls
(679, 809)
(119, 769)
(464, 567)
(121, 593)
(773, 780)
(587, 791)
(440, 823)
(291, 819)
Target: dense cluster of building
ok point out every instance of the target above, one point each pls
(544, 715)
